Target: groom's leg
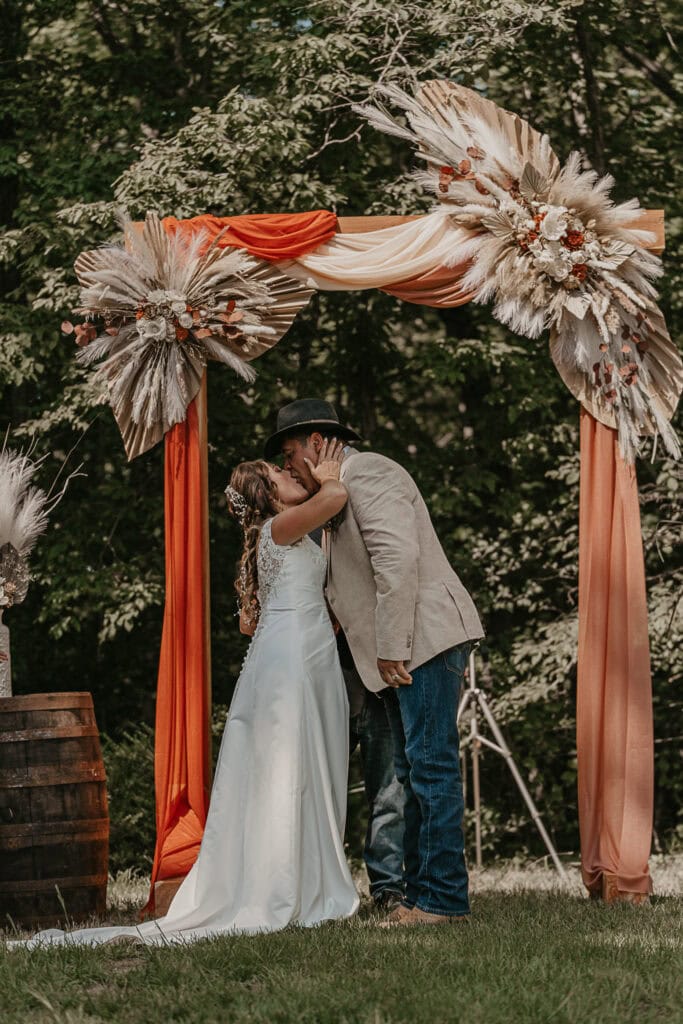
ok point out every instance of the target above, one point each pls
(385, 796)
(411, 809)
(428, 713)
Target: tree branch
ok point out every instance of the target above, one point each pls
(592, 99)
(104, 29)
(660, 78)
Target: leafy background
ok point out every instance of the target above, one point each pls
(236, 107)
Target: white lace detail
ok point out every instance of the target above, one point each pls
(270, 559)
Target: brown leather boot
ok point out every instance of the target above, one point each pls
(399, 915)
(424, 917)
(410, 916)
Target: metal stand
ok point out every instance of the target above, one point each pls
(475, 700)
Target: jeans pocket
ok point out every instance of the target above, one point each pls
(456, 658)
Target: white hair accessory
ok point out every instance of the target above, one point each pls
(237, 504)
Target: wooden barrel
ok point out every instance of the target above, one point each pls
(54, 822)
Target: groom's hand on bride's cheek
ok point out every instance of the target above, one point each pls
(394, 673)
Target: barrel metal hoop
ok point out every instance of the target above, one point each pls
(52, 775)
(49, 884)
(46, 702)
(53, 833)
(36, 827)
(60, 732)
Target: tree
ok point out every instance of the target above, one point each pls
(233, 108)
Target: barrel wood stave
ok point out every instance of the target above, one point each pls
(54, 824)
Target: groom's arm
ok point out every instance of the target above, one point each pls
(380, 495)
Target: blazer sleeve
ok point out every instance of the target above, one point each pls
(381, 498)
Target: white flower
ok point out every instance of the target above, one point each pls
(558, 270)
(554, 224)
(185, 320)
(554, 248)
(152, 330)
(171, 300)
(577, 256)
(543, 261)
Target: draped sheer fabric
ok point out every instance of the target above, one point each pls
(268, 236)
(614, 693)
(411, 261)
(181, 751)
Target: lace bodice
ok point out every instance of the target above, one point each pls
(270, 559)
(288, 571)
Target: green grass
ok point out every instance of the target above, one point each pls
(526, 957)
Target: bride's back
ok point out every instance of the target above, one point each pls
(289, 575)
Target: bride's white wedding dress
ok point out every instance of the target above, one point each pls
(272, 852)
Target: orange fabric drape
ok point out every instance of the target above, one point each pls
(181, 756)
(271, 236)
(614, 698)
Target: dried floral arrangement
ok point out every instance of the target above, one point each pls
(159, 307)
(24, 513)
(552, 251)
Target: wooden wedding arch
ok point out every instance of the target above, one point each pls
(614, 708)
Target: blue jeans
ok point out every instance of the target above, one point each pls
(426, 752)
(383, 853)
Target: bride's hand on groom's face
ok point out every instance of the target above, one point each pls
(394, 673)
(329, 461)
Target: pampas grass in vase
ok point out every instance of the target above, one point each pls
(24, 513)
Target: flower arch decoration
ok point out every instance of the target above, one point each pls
(549, 248)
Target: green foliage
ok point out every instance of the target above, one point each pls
(129, 764)
(232, 108)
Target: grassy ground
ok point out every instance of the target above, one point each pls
(532, 953)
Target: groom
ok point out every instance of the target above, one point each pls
(410, 625)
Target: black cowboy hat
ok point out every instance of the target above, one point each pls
(306, 415)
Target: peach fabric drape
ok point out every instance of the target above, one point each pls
(181, 755)
(614, 698)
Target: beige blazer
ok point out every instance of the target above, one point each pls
(389, 582)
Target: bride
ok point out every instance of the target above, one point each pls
(272, 852)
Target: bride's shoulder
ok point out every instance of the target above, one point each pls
(266, 535)
(267, 540)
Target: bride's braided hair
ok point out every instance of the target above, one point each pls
(252, 499)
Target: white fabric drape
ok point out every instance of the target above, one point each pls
(380, 259)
